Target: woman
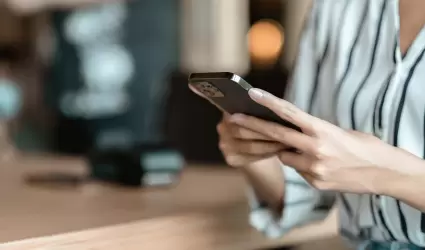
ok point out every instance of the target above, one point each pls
(357, 94)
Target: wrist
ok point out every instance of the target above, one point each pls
(398, 185)
(386, 181)
(392, 181)
(267, 179)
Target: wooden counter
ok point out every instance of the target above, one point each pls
(206, 210)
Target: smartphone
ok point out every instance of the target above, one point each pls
(230, 92)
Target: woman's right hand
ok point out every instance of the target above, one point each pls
(241, 147)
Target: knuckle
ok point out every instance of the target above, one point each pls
(322, 128)
(275, 134)
(319, 150)
(232, 160)
(228, 159)
(220, 127)
(222, 145)
(317, 130)
(319, 169)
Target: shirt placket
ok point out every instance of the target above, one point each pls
(390, 101)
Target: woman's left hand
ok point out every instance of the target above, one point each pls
(329, 157)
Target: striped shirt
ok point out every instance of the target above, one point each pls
(350, 71)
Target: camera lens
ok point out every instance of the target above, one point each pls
(209, 89)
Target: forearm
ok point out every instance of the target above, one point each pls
(266, 177)
(408, 188)
(403, 179)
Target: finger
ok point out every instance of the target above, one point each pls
(194, 90)
(237, 160)
(252, 147)
(276, 132)
(283, 109)
(311, 179)
(242, 133)
(226, 116)
(230, 130)
(300, 162)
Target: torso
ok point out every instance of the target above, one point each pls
(378, 78)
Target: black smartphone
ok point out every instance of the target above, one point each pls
(230, 92)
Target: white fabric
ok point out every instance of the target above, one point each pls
(350, 72)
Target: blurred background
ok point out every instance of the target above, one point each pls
(77, 77)
(106, 81)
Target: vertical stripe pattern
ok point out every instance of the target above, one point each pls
(372, 64)
(350, 52)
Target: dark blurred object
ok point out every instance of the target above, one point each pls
(20, 73)
(10, 53)
(266, 9)
(191, 121)
(108, 82)
(17, 47)
(16, 50)
(55, 180)
(147, 166)
(273, 80)
(16, 33)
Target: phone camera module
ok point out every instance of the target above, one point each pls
(209, 90)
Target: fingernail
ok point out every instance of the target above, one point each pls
(236, 118)
(255, 93)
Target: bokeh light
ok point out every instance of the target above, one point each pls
(265, 41)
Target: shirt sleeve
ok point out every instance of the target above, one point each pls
(303, 203)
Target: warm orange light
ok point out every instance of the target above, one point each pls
(265, 40)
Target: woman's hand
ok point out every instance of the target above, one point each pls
(241, 146)
(330, 158)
